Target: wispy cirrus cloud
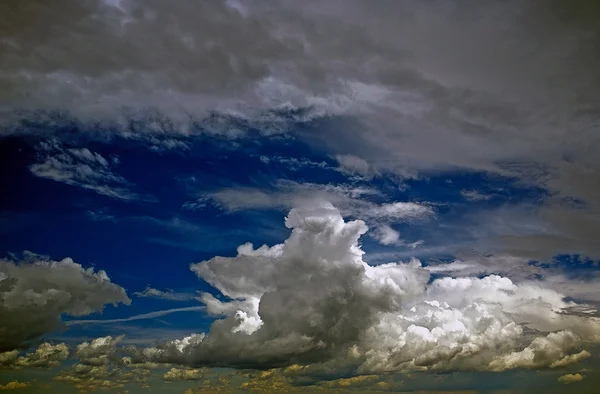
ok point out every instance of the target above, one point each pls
(143, 316)
(82, 168)
(170, 295)
(352, 201)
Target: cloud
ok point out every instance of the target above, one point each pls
(288, 194)
(15, 385)
(143, 316)
(98, 352)
(522, 269)
(83, 168)
(34, 295)
(9, 358)
(46, 355)
(351, 200)
(570, 378)
(354, 165)
(543, 352)
(408, 98)
(386, 235)
(99, 366)
(87, 378)
(474, 195)
(313, 300)
(170, 295)
(400, 211)
(356, 381)
(293, 163)
(184, 374)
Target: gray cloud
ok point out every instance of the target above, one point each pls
(34, 296)
(422, 87)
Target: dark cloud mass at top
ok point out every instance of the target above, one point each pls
(506, 87)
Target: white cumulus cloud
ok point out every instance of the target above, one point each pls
(313, 300)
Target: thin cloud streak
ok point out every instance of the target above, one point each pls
(143, 316)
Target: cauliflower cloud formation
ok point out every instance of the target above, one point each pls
(313, 300)
(34, 295)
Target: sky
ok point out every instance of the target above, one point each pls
(281, 196)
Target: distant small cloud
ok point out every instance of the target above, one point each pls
(386, 235)
(474, 195)
(150, 292)
(100, 215)
(571, 378)
(293, 163)
(15, 385)
(354, 165)
(184, 374)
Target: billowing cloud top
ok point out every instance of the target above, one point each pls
(313, 300)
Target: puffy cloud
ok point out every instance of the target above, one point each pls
(183, 374)
(543, 352)
(386, 235)
(8, 358)
(45, 355)
(313, 300)
(88, 378)
(98, 352)
(35, 294)
(15, 385)
(570, 378)
(521, 269)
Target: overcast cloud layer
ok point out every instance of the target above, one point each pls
(503, 87)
